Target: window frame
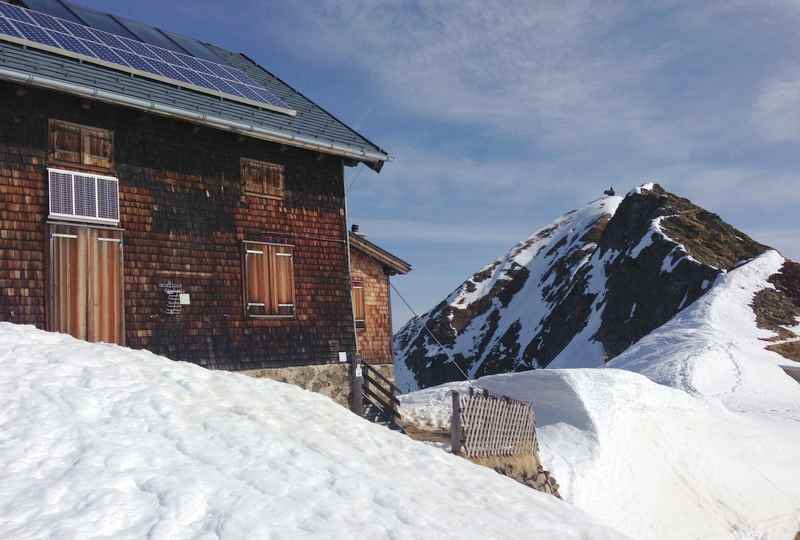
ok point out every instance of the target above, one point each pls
(270, 268)
(266, 194)
(86, 162)
(359, 284)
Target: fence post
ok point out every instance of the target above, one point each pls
(356, 382)
(455, 425)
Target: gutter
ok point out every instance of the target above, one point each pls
(376, 159)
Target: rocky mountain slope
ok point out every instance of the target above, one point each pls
(582, 290)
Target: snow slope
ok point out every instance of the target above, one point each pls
(714, 348)
(711, 452)
(99, 441)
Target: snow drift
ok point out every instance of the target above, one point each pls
(710, 452)
(99, 441)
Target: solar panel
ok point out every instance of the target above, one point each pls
(45, 20)
(6, 28)
(31, 28)
(104, 53)
(70, 43)
(35, 33)
(14, 12)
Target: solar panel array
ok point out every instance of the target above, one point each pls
(144, 58)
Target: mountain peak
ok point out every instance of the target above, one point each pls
(577, 292)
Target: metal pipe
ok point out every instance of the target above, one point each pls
(251, 130)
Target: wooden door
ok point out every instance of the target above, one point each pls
(86, 283)
(67, 309)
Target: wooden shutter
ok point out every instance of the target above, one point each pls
(67, 306)
(359, 307)
(65, 142)
(98, 148)
(282, 258)
(269, 280)
(81, 145)
(263, 178)
(257, 279)
(104, 317)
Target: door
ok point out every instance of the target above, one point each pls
(86, 283)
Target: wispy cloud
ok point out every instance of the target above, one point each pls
(404, 230)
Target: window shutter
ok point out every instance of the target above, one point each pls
(257, 279)
(359, 308)
(284, 280)
(98, 148)
(269, 280)
(81, 145)
(262, 178)
(65, 142)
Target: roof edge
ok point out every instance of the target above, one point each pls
(374, 160)
(395, 264)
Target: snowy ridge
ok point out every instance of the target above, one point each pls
(714, 348)
(99, 441)
(577, 293)
(714, 443)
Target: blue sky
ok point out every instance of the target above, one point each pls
(503, 115)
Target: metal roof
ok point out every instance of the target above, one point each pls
(395, 264)
(312, 127)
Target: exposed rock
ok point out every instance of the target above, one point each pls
(582, 290)
(778, 310)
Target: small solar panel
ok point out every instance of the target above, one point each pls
(111, 40)
(78, 30)
(36, 33)
(51, 23)
(167, 70)
(138, 47)
(193, 63)
(193, 77)
(13, 12)
(104, 53)
(70, 43)
(6, 28)
(31, 27)
(136, 61)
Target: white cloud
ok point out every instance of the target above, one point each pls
(457, 233)
(777, 109)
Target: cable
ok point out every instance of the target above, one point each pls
(425, 326)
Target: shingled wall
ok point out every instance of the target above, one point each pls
(184, 218)
(375, 338)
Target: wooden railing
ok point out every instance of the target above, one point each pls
(380, 392)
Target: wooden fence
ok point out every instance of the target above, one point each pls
(485, 425)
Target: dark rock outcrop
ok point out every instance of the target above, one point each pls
(583, 290)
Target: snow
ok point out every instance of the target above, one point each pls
(649, 186)
(696, 437)
(527, 308)
(99, 441)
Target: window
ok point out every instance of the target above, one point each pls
(81, 145)
(359, 309)
(269, 280)
(262, 178)
(83, 197)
